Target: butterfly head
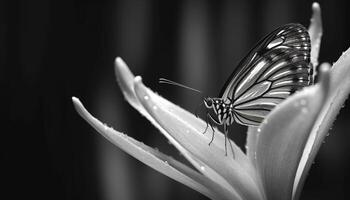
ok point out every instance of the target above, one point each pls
(208, 102)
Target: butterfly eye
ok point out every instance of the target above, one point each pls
(208, 102)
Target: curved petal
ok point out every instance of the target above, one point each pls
(125, 79)
(155, 159)
(283, 136)
(339, 92)
(187, 133)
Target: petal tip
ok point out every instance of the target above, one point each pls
(325, 71)
(76, 102)
(119, 61)
(324, 68)
(79, 107)
(121, 69)
(325, 74)
(74, 99)
(316, 7)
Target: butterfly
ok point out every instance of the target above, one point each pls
(276, 67)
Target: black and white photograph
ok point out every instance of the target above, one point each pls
(169, 100)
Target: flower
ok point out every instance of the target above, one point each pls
(279, 152)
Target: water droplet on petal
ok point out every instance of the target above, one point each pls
(258, 130)
(202, 168)
(166, 162)
(105, 126)
(187, 131)
(304, 110)
(303, 102)
(155, 108)
(146, 97)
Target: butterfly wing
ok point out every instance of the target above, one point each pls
(275, 68)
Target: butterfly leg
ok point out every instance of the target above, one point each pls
(228, 139)
(209, 120)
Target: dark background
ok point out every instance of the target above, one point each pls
(52, 50)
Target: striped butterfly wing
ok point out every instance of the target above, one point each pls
(275, 68)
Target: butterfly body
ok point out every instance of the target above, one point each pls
(223, 112)
(275, 68)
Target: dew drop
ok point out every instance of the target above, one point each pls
(304, 110)
(166, 162)
(202, 168)
(146, 97)
(105, 126)
(187, 131)
(155, 108)
(246, 147)
(259, 130)
(303, 102)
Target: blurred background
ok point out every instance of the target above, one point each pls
(53, 50)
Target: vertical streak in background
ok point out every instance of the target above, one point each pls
(33, 37)
(117, 172)
(195, 57)
(234, 35)
(276, 13)
(133, 27)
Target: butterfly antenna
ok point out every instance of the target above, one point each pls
(167, 81)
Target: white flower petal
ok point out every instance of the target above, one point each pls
(190, 136)
(315, 32)
(125, 80)
(155, 159)
(283, 136)
(339, 92)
